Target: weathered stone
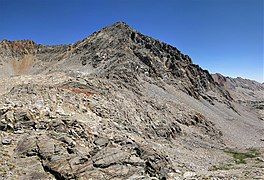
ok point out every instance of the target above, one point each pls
(67, 140)
(9, 116)
(78, 160)
(260, 159)
(3, 126)
(137, 161)
(31, 168)
(47, 147)
(108, 156)
(22, 116)
(189, 174)
(6, 141)
(101, 141)
(26, 146)
(19, 132)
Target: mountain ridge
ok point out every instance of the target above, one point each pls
(122, 25)
(120, 105)
(122, 38)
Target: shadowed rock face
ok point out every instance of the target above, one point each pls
(116, 105)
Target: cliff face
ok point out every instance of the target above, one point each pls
(117, 104)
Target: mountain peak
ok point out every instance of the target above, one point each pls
(118, 28)
(120, 25)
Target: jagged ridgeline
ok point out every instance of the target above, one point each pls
(117, 105)
(115, 52)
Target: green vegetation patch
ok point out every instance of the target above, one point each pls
(240, 157)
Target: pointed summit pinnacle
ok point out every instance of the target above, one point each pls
(119, 26)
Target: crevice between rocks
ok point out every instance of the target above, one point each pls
(57, 175)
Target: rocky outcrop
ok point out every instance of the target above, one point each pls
(79, 128)
(17, 49)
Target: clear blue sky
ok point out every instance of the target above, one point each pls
(224, 36)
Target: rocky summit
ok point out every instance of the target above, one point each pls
(122, 105)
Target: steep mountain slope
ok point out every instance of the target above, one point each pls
(244, 91)
(118, 105)
(106, 53)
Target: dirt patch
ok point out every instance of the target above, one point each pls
(23, 66)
